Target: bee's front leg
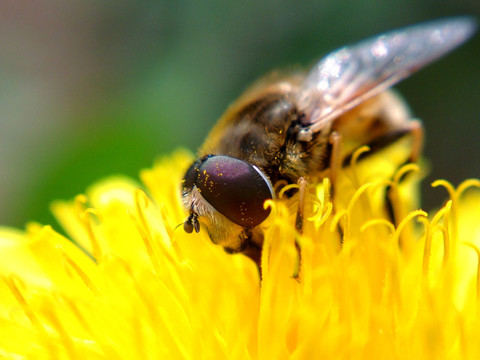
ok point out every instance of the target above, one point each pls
(415, 128)
(335, 141)
(302, 189)
(251, 246)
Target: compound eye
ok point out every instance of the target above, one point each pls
(235, 188)
(190, 176)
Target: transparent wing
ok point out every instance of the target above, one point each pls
(353, 74)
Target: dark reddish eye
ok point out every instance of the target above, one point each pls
(233, 187)
(191, 175)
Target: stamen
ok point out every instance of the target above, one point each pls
(279, 184)
(435, 226)
(323, 203)
(357, 195)
(361, 150)
(282, 213)
(477, 252)
(80, 203)
(97, 252)
(78, 270)
(286, 188)
(141, 202)
(13, 283)
(86, 323)
(447, 185)
(438, 216)
(167, 226)
(448, 248)
(454, 196)
(347, 213)
(264, 258)
(403, 171)
(355, 178)
(427, 249)
(65, 337)
(374, 222)
(71, 303)
(353, 163)
(282, 231)
(83, 213)
(398, 207)
(322, 214)
(270, 204)
(465, 185)
(403, 223)
(267, 242)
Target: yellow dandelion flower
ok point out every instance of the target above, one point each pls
(136, 287)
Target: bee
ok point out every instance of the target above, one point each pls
(289, 127)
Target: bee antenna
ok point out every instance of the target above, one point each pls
(176, 227)
(191, 224)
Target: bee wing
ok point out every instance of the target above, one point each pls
(353, 74)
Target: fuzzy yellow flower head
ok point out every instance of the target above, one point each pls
(143, 289)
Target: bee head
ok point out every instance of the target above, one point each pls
(234, 188)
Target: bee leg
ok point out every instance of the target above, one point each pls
(335, 140)
(414, 129)
(254, 252)
(302, 188)
(251, 246)
(335, 160)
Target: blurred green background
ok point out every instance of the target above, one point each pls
(90, 88)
